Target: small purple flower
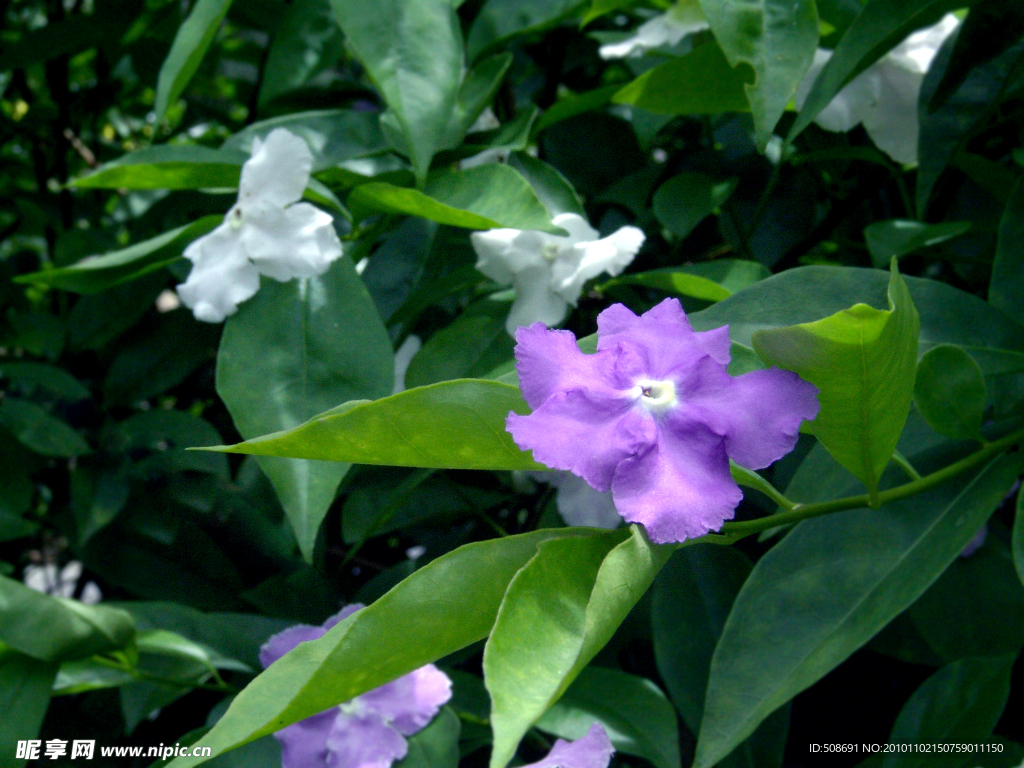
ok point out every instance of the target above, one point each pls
(367, 732)
(591, 751)
(654, 416)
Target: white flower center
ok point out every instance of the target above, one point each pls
(549, 251)
(656, 396)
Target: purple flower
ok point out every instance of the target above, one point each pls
(654, 416)
(367, 732)
(591, 751)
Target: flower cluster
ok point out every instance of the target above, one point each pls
(654, 416)
(548, 271)
(267, 232)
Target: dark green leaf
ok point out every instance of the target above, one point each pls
(551, 187)
(710, 280)
(36, 377)
(36, 429)
(685, 200)
(899, 237)
(178, 166)
(1007, 285)
(500, 20)
(25, 685)
(950, 392)
(306, 42)
(1018, 537)
(437, 745)
(190, 45)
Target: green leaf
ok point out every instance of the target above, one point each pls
(477, 91)
(452, 425)
(413, 53)
(294, 350)
(25, 685)
(88, 675)
(485, 197)
(636, 715)
(472, 346)
(558, 612)
(36, 429)
(775, 37)
(97, 273)
(898, 237)
(709, 280)
(1018, 537)
(551, 187)
(700, 83)
(58, 38)
(168, 167)
(54, 629)
(501, 20)
(33, 377)
(685, 200)
(828, 587)
(600, 8)
(950, 392)
(574, 104)
(306, 42)
(444, 606)
(1007, 285)
(190, 45)
(437, 745)
(959, 704)
(157, 440)
(863, 362)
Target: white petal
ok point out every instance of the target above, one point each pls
(91, 594)
(278, 170)
(579, 229)
(485, 121)
(893, 123)
(41, 578)
(535, 301)
(222, 276)
(579, 504)
(821, 57)
(501, 253)
(403, 356)
(284, 243)
(667, 29)
(918, 50)
(588, 260)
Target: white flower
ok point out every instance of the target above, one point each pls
(884, 96)
(548, 271)
(46, 579)
(266, 232)
(578, 503)
(667, 29)
(403, 356)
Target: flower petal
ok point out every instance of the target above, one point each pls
(278, 171)
(410, 702)
(341, 615)
(501, 253)
(591, 751)
(222, 277)
(549, 361)
(891, 121)
(304, 744)
(579, 230)
(364, 741)
(285, 243)
(681, 488)
(579, 504)
(666, 29)
(662, 338)
(587, 260)
(278, 645)
(535, 301)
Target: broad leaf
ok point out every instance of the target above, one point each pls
(168, 167)
(684, 201)
(950, 392)
(829, 586)
(775, 37)
(1018, 537)
(863, 362)
(25, 685)
(709, 280)
(294, 350)
(500, 20)
(437, 745)
(307, 41)
(190, 45)
(37, 429)
(1006, 288)
(898, 237)
(551, 187)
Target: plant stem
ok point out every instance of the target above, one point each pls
(901, 461)
(140, 675)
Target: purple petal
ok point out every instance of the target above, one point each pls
(549, 362)
(364, 741)
(681, 488)
(662, 338)
(586, 431)
(410, 702)
(758, 413)
(976, 543)
(717, 344)
(343, 614)
(591, 751)
(278, 645)
(304, 744)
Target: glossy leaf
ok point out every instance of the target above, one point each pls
(484, 197)
(685, 200)
(307, 41)
(190, 45)
(959, 704)
(38, 430)
(25, 685)
(363, 652)
(829, 586)
(97, 273)
(700, 83)
(168, 167)
(898, 237)
(1007, 285)
(294, 350)
(559, 611)
(710, 280)
(500, 20)
(777, 38)
(554, 191)
(863, 362)
(437, 745)
(950, 392)
(637, 717)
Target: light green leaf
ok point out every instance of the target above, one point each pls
(501, 20)
(88, 675)
(637, 717)
(1006, 289)
(863, 362)
(25, 685)
(38, 430)
(437, 745)
(829, 586)
(476, 92)
(452, 425)
(54, 629)
(600, 8)
(559, 611)
(898, 237)
(485, 197)
(685, 200)
(413, 53)
(959, 704)
(950, 392)
(97, 273)
(775, 37)
(294, 350)
(700, 83)
(190, 45)
(709, 280)
(444, 606)
(168, 167)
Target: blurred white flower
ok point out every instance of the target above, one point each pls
(403, 356)
(485, 121)
(884, 96)
(666, 29)
(167, 301)
(266, 232)
(578, 503)
(548, 271)
(46, 579)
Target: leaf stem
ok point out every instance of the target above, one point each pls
(138, 674)
(901, 461)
